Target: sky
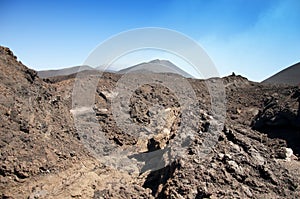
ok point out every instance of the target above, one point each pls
(253, 38)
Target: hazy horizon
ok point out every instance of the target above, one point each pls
(255, 39)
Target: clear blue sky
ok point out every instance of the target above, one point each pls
(254, 38)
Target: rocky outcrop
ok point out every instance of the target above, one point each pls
(279, 118)
(37, 132)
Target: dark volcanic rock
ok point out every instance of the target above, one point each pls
(43, 156)
(32, 128)
(279, 118)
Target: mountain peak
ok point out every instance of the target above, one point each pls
(288, 76)
(156, 66)
(160, 61)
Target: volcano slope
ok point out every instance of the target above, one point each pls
(44, 155)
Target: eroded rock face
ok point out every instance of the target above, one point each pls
(43, 156)
(279, 118)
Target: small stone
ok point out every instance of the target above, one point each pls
(288, 154)
(196, 160)
(72, 153)
(228, 156)
(234, 167)
(220, 156)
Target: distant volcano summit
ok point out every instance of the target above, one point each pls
(64, 71)
(156, 66)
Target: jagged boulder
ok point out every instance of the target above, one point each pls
(279, 118)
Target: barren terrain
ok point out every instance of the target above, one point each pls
(256, 153)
